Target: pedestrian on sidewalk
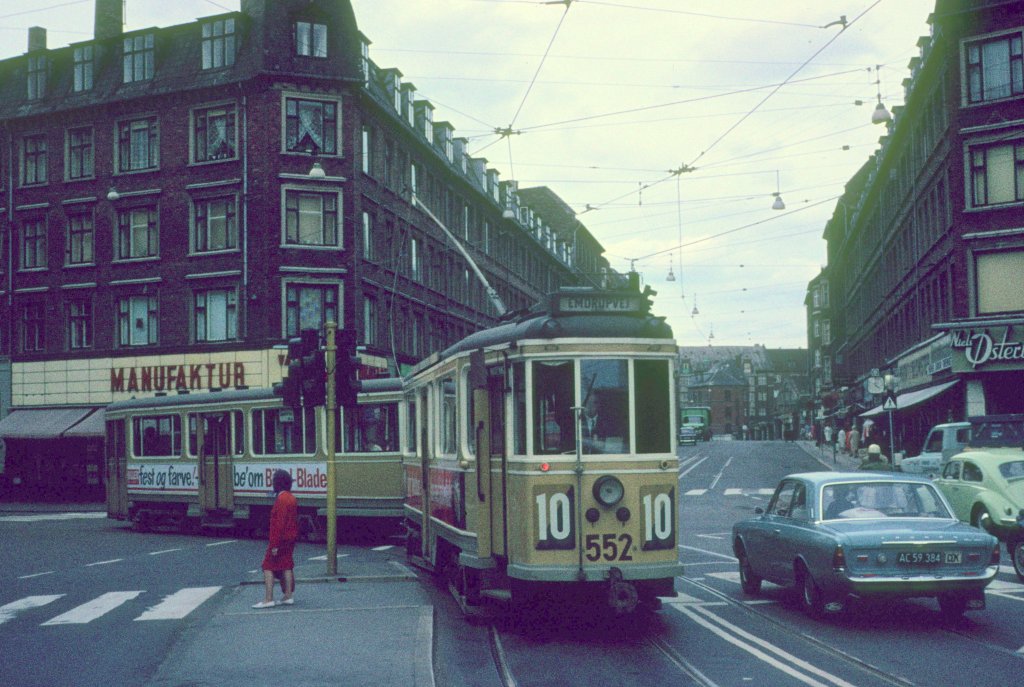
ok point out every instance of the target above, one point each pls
(284, 531)
(875, 459)
(854, 436)
(841, 440)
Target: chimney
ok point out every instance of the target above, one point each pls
(36, 38)
(109, 19)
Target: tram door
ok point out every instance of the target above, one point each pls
(216, 488)
(116, 484)
(423, 403)
(496, 389)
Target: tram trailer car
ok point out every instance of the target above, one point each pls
(205, 459)
(543, 462)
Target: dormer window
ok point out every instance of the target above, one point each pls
(310, 39)
(36, 77)
(82, 56)
(138, 58)
(218, 44)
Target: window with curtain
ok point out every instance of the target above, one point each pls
(311, 219)
(311, 126)
(997, 173)
(216, 315)
(137, 233)
(214, 225)
(214, 134)
(309, 306)
(994, 68)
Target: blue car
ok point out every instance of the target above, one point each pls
(835, 535)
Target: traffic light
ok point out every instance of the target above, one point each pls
(314, 379)
(290, 388)
(346, 379)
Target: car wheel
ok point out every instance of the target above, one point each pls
(810, 594)
(1017, 556)
(978, 516)
(952, 605)
(750, 582)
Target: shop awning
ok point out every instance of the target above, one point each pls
(40, 423)
(91, 426)
(912, 398)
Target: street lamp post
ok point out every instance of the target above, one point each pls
(330, 362)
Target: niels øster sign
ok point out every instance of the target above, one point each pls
(987, 348)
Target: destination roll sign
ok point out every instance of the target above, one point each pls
(597, 303)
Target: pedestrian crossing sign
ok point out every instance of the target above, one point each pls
(889, 403)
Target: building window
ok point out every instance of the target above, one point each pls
(79, 158)
(137, 321)
(78, 248)
(311, 126)
(218, 44)
(310, 39)
(138, 144)
(826, 332)
(368, 247)
(82, 56)
(138, 58)
(997, 173)
(214, 134)
(415, 269)
(997, 277)
(79, 323)
(311, 219)
(309, 306)
(214, 225)
(994, 68)
(36, 77)
(33, 327)
(137, 234)
(33, 244)
(33, 160)
(370, 320)
(216, 315)
(367, 150)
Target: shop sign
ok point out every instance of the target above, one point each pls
(982, 348)
(171, 377)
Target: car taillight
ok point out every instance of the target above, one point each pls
(995, 556)
(839, 558)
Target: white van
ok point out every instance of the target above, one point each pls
(943, 442)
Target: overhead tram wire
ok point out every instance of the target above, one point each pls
(699, 14)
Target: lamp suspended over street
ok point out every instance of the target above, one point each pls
(778, 204)
(671, 275)
(880, 114)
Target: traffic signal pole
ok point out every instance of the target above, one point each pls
(330, 358)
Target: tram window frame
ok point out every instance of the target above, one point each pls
(554, 381)
(652, 406)
(468, 411)
(519, 414)
(411, 420)
(140, 441)
(448, 399)
(307, 418)
(354, 428)
(606, 420)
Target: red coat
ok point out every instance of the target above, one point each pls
(284, 520)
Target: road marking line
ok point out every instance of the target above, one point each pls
(383, 548)
(157, 553)
(222, 543)
(696, 492)
(38, 517)
(10, 610)
(91, 610)
(733, 492)
(710, 553)
(179, 604)
(26, 577)
(766, 492)
(729, 576)
(324, 557)
(709, 536)
(112, 560)
(714, 482)
(687, 471)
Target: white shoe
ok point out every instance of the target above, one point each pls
(287, 602)
(265, 604)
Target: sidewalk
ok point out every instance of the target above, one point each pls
(370, 625)
(842, 462)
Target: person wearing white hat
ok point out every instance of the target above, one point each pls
(875, 459)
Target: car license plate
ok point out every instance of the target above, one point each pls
(929, 558)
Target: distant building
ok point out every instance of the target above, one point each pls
(926, 245)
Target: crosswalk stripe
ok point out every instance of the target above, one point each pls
(733, 492)
(8, 611)
(91, 610)
(696, 492)
(179, 604)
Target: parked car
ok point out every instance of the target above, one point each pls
(687, 435)
(985, 485)
(836, 535)
(943, 442)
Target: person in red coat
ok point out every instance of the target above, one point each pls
(284, 531)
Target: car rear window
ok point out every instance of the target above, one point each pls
(882, 500)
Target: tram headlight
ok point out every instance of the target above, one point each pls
(608, 490)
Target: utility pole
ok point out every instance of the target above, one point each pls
(330, 359)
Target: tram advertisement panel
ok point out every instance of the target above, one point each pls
(554, 508)
(308, 479)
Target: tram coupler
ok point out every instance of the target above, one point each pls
(622, 595)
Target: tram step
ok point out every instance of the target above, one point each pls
(497, 594)
(217, 524)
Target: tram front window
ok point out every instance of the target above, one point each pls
(553, 387)
(604, 391)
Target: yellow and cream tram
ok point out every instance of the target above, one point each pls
(542, 456)
(206, 459)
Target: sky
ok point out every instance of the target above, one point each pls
(667, 125)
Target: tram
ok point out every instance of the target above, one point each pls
(206, 459)
(542, 459)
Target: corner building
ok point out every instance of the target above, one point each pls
(178, 202)
(926, 245)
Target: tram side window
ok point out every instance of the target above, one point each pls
(410, 417)
(156, 436)
(519, 408)
(652, 386)
(223, 435)
(449, 427)
(283, 430)
(553, 399)
(370, 427)
(604, 387)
